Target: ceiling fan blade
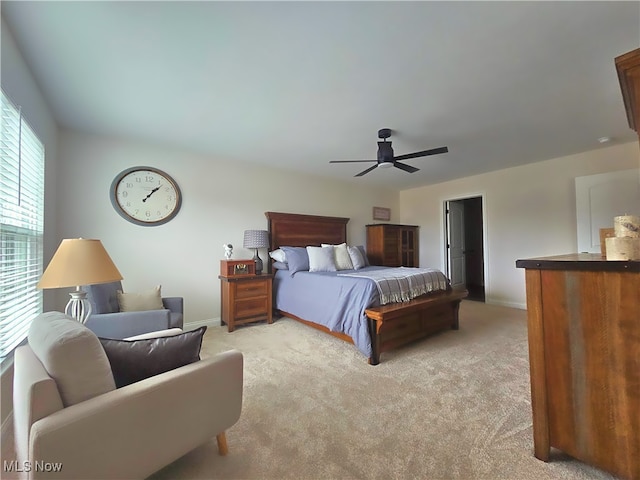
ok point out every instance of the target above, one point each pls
(424, 153)
(350, 161)
(406, 168)
(364, 172)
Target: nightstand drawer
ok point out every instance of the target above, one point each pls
(251, 289)
(251, 308)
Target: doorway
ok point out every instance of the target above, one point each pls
(464, 245)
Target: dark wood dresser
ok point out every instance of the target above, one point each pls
(392, 245)
(584, 355)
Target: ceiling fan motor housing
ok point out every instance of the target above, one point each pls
(385, 153)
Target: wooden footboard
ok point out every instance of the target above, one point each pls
(394, 325)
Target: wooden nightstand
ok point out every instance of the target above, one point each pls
(245, 299)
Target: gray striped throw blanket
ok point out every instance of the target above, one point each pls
(403, 283)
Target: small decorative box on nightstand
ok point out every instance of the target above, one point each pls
(245, 299)
(237, 268)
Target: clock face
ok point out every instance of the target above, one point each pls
(145, 196)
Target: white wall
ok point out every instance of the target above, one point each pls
(529, 211)
(220, 200)
(19, 85)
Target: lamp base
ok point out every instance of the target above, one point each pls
(78, 306)
(258, 261)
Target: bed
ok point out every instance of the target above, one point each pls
(373, 329)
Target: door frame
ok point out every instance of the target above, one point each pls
(485, 251)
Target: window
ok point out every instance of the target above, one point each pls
(21, 226)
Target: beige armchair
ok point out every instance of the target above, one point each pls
(67, 411)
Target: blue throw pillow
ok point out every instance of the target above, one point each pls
(363, 251)
(297, 259)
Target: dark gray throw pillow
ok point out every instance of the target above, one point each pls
(135, 360)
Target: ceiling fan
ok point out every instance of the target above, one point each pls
(386, 158)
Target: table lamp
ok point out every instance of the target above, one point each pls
(77, 262)
(256, 239)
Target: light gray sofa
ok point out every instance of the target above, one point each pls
(106, 319)
(67, 410)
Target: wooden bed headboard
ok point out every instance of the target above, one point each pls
(296, 230)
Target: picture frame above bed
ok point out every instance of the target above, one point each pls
(382, 214)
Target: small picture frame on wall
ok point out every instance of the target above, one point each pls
(381, 213)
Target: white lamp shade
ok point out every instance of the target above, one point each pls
(79, 261)
(256, 239)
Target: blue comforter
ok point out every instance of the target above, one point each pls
(324, 298)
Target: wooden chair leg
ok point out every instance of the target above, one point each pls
(223, 449)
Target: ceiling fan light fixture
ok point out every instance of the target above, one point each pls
(385, 164)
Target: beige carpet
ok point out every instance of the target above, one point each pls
(454, 406)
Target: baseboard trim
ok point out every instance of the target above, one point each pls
(209, 322)
(519, 306)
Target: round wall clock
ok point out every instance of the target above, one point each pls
(145, 196)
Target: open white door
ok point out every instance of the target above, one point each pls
(600, 198)
(455, 241)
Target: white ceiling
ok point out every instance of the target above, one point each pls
(296, 84)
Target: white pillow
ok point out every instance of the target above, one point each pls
(356, 258)
(321, 259)
(278, 255)
(139, 302)
(341, 256)
(170, 332)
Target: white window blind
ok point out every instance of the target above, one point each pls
(21, 226)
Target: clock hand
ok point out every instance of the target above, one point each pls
(151, 193)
